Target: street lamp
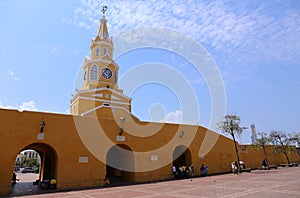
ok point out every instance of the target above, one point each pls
(43, 124)
(122, 119)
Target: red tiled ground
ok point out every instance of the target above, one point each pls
(283, 182)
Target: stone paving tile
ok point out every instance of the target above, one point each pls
(209, 192)
(283, 182)
(264, 194)
(113, 194)
(292, 188)
(244, 185)
(169, 188)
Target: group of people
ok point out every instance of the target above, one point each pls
(183, 171)
(188, 171)
(234, 167)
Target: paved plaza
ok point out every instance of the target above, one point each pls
(281, 182)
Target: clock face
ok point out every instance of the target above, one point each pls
(106, 73)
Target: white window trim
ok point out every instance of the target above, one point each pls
(97, 51)
(92, 73)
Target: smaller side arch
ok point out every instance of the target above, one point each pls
(182, 156)
(120, 163)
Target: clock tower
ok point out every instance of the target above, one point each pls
(100, 86)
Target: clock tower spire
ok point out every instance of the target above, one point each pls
(100, 86)
(103, 31)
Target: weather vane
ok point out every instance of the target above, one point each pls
(104, 9)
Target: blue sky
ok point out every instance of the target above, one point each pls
(255, 46)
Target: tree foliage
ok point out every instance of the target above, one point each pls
(261, 143)
(297, 139)
(283, 143)
(32, 162)
(231, 125)
(263, 140)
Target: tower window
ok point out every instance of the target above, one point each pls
(94, 73)
(98, 51)
(74, 109)
(104, 51)
(116, 77)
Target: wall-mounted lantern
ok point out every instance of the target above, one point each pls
(122, 119)
(43, 124)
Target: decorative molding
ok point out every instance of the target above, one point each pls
(102, 89)
(101, 106)
(109, 44)
(99, 100)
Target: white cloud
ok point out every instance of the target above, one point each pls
(245, 32)
(7, 106)
(84, 25)
(13, 75)
(173, 117)
(30, 106)
(47, 48)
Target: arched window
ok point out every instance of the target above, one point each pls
(94, 73)
(116, 76)
(97, 51)
(104, 51)
(74, 109)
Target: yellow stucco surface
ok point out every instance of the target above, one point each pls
(70, 139)
(101, 137)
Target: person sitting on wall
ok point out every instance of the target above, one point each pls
(234, 168)
(185, 171)
(191, 170)
(181, 172)
(242, 165)
(204, 170)
(107, 180)
(175, 173)
(264, 164)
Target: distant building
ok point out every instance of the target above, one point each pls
(19, 161)
(253, 136)
(32, 154)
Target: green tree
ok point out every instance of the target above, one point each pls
(32, 162)
(283, 143)
(261, 143)
(230, 124)
(297, 139)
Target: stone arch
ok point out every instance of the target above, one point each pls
(48, 167)
(182, 156)
(120, 163)
(49, 161)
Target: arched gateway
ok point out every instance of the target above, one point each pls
(120, 163)
(48, 166)
(182, 156)
(48, 156)
(71, 152)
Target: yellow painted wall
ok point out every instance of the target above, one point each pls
(74, 137)
(253, 157)
(20, 129)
